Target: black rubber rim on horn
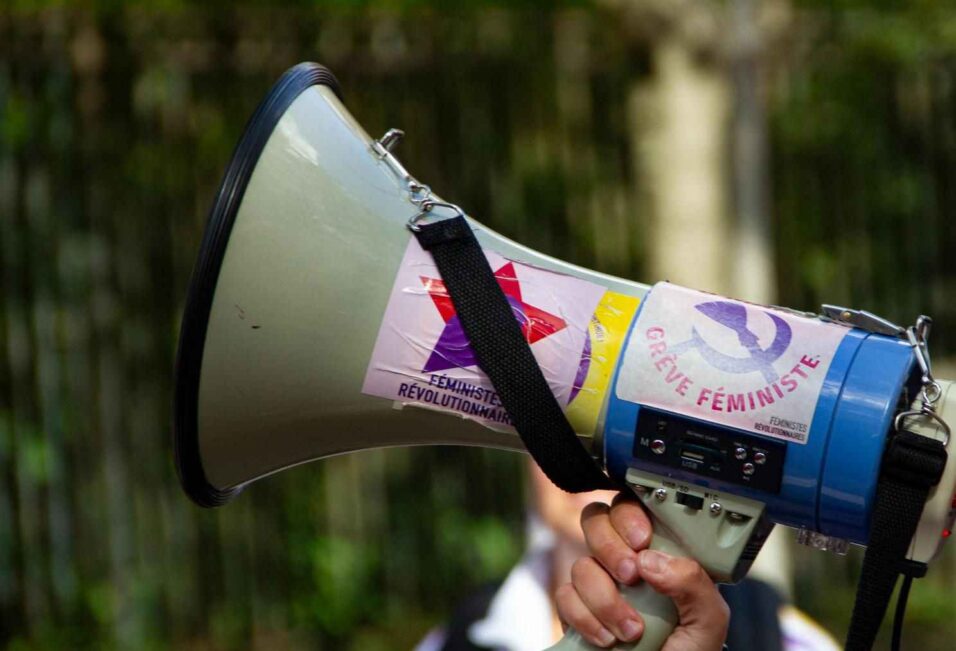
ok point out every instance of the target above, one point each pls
(202, 284)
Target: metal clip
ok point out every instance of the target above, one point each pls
(426, 207)
(863, 320)
(419, 194)
(390, 140)
(926, 412)
(382, 148)
(918, 336)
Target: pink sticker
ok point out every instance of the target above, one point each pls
(422, 356)
(755, 368)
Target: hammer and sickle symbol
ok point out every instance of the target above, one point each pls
(734, 316)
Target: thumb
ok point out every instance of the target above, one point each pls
(704, 615)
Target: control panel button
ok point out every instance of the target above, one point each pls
(693, 450)
(692, 501)
(760, 458)
(749, 468)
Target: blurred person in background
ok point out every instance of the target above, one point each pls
(578, 546)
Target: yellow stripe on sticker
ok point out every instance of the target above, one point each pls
(606, 333)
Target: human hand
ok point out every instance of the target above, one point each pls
(618, 537)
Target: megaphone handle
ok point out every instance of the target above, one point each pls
(658, 611)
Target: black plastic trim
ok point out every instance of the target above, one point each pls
(202, 285)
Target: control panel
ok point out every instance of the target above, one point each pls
(709, 450)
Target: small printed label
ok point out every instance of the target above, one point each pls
(751, 367)
(422, 356)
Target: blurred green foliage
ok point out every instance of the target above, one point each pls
(863, 143)
(116, 121)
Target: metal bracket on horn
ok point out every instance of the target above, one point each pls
(426, 207)
(382, 148)
(419, 194)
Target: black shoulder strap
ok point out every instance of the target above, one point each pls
(912, 465)
(504, 355)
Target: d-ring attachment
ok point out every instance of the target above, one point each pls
(926, 412)
(931, 392)
(426, 208)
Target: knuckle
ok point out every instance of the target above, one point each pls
(592, 510)
(628, 512)
(725, 624)
(688, 572)
(723, 608)
(581, 569)
(688, 583)
(602, 600)
(697, 574)
(564, 593)
(716, 613)
(606, 549)
(623, 497)
(607, 609)
(565, 599)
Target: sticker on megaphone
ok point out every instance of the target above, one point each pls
(751, 367)
(422, 356)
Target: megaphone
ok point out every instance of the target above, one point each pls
(315, 325)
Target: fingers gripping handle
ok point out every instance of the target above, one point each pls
(658, 611)
(720, 531)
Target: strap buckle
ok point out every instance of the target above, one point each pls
(915, 459)
(425, 208)
(925, 412)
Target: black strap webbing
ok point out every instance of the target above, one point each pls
(504, 355)
(912, 465)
